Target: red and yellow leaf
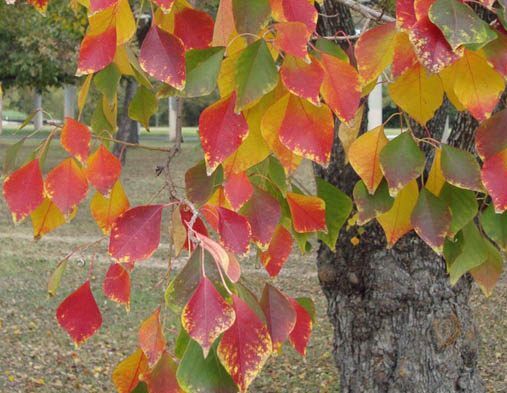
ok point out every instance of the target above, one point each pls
(374, 51)
(302, 79)
(162, 378)
(494, 178)
(105, 210)
(97, 51)
(75, 139)
(135, 235)
(300, 335)
(207, 315)
(300, 11)
(23, 190)
(245, 347)
(405, 14)
(151, 338)
(490, 137)
(126, 374)
(341, 88)
(278, 251)
(308, 212)
(46, 218)
(364, 156)
(396, 222)
(221, 131)
(165, 5)
(234, 230)
(79, 314)
(238, 189)
(280, 315)
(292, 38)
(404, 56)
(116, 285)
(162, 56)
(103, 170)
(66, 185)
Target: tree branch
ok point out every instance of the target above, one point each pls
(367, 11)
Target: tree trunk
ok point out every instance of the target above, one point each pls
(128, 129)
(1, 108)
(398, 324)
(38, 119)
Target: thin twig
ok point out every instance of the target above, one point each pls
(367, 11)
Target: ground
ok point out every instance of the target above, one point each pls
(37, 356)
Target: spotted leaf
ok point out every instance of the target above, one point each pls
(151, 338)
(97, 51)
(301, 78)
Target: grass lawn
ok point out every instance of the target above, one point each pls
(37, 356)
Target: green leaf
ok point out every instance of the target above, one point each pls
(256, 74)
(106, 81)
(487, 274)
(198, 185)
(331, 48)
(181, 343)
(460, 24)
(460, 168)
(277, 175)
(495, 226)
(338, 208)
(200, 375)
(463, 205)
(139, 74)
(144, 104)
(401, 161)
(203, 66)
(100, 124)
(250, 15)
(370, 206)
(10, 156)
(140, 388)
(56, 277)
(308, 305)
(474, 253)
(431, 219)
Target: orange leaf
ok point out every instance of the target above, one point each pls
(126, 374)
(75, 138)
(103, 170)
(46, 218)
(278, 251)
(404, 56)
(292, 38)
(151, 338)
(97, 51)
(116, 285)
(308, 213)
(79, 314)
(105, 210)
(364, 156)
(66, 185)
(302, 79)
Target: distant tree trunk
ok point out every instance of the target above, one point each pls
(128, 129)
(1, 108)
(38, 119)
(399, 326)
(69, 100)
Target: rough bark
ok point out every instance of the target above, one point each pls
(399, 326)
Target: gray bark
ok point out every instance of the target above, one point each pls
(38, 119)
(1, 108)
(399, 327)
(128, 129)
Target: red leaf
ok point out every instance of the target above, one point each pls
(292, 38)
(263, 213)
(135, 235)
(300, 335)
(79, 314)
(127, 373)
(103, 170)
(431, 47)
(66, 185)
(97, 51)
(23, 190)
(494, 177)
(278, 251)
(490, 137)
(422, 8)
(300, 11)
(40, 5)
(207, 315)
(341, 88)
(75, 139)
(116, 284)
(162, 378)
(221, 131)
(245, 347)
(194, 28)
(234, 231)
(302, 79)
(308, 213)
(99, 5)
(165, 5)
(280, 315)
(162, 56)
(151, 338)
(405, 13)
(307, 130)
(404, 56)
(238, 189)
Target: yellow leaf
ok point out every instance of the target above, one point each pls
(227, 75)
(125, 22)
(396, 222)
(348, 132)
(364, 156)
(46, 218)
(418, 93)
(83, 93)
(448, 76)
(436, 178)
(110, 110)
(476, 85)
(105, 211)
(121, 60)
